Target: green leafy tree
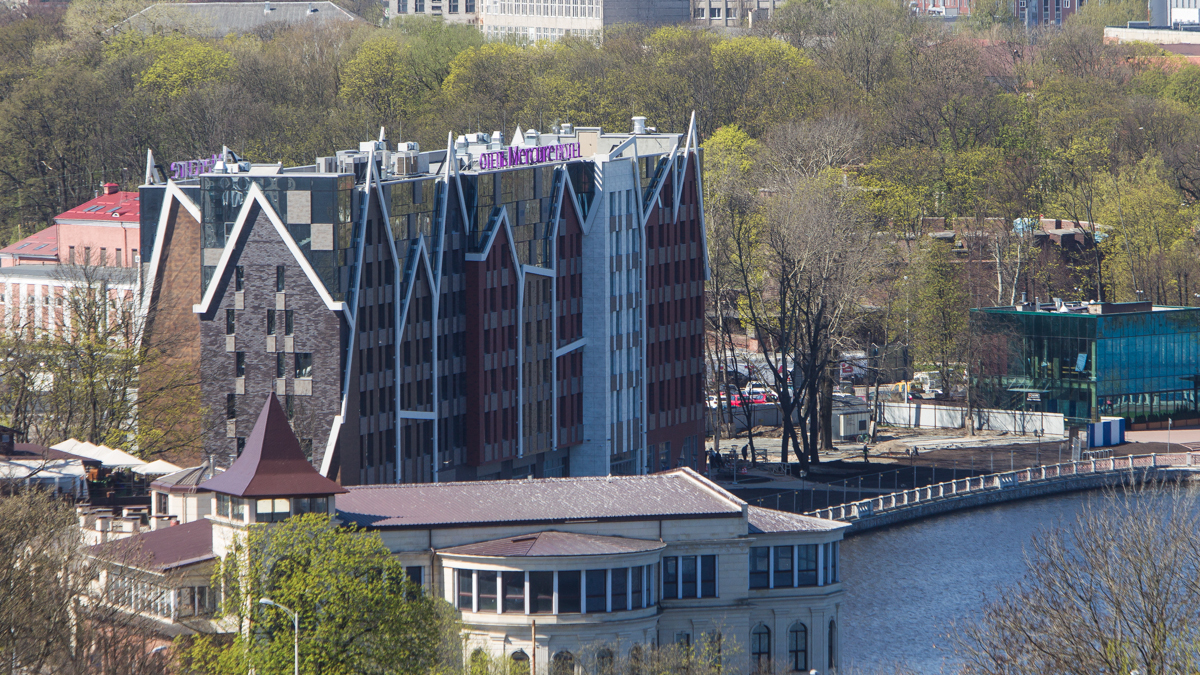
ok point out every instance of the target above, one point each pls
(941, 311)
(1144, 221)
(359, 613)
(182, 63)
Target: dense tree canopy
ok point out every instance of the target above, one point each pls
(975, 127)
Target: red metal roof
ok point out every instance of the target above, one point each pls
(163, 549)
(551, 544)
(37, 246)
(118, 207)
(677, 494)
(272, 464)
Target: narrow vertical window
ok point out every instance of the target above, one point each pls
(708, 576)
(270, 322)
(466, 590)
(514, 592)
(620, 589)
(597, 591)
(783, 567)
(670, 577)
(279, 278)
(230, 322)
(569, 587)
(760, 567)
(231, 406)
(303, 365)
(288, 324)
(279, 365)
(487, 591)
(688, 572)
(239, 278)
(240, 364)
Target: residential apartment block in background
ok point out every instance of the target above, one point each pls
(490, 310)
(733, 13)
(545, 19)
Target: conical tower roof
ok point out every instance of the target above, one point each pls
(272, 464)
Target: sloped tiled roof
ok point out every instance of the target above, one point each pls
(769, 521)
(41, 245)
(681, 493)
(554, 544)
(161, 550)
(118, 207)
(218, 19)
(35, 451)
(272, 465)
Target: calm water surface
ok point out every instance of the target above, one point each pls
(905, 586)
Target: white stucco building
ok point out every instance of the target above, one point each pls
(601, 564)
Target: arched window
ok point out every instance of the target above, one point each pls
(798, 646)
(478, 663)
(833, 650)
(760, 648)
(562, 663)
(637, 660)
(604, 661)
(520, 663)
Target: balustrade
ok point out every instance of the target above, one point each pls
(873, 506)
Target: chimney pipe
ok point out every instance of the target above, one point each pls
(110, 188)
(639, 125)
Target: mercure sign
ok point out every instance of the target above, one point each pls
(525, 156)
(193, 168)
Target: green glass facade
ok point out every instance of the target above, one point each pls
(1139, 365)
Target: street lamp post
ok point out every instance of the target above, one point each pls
(295, 626)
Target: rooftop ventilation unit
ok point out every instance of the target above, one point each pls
(639, 125)
(406, 160)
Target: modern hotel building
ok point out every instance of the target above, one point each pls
(488, 310)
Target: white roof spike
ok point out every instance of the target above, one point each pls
(382, 134)
(152, 175)
(518, 137)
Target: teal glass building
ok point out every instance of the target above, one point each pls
(1130, 360)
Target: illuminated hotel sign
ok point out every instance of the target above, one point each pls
(193, 168)
(540, 154)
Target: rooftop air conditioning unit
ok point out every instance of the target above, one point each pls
(405, 162)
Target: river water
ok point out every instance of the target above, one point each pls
(907, 585)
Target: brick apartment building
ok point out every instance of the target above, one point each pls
(490, 310)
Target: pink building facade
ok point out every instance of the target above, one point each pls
(103, 231)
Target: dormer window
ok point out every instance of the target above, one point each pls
(231, 508)
(310, 505)
(272, 510)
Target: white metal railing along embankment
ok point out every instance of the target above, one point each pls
(960, 488)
